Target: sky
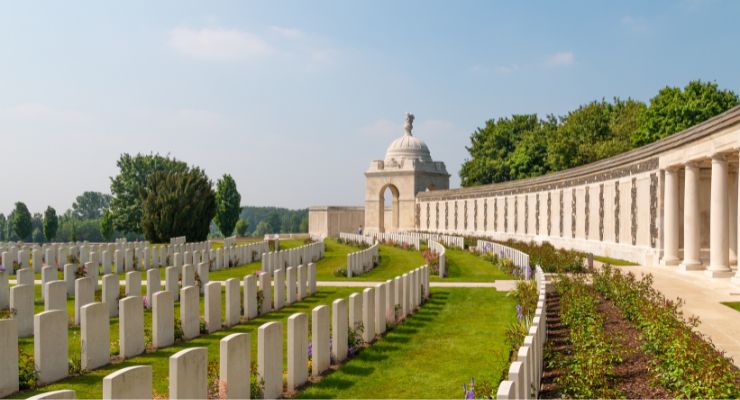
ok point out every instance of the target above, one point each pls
(295, 98)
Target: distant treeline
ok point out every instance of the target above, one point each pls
(264, 220)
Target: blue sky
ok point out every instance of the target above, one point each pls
(294, 99)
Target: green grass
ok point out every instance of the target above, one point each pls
(457, 335)
(89, 385)
(735, 305)
(614, 261)
(464, 266)
(394, 261)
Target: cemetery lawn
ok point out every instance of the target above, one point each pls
(89, 385)
(464, 266)
(614, 261)
(735, 305)
(394, 261)
(458, 334)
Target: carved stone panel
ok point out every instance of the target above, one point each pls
(653, 210)
(601, 212)
(633, 210)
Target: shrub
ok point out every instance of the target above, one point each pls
(340, 272)
(179, 335)
(431, 258)
(550, 258)
(27, 374)
(256, 383)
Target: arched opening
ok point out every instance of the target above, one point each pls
(388, 208)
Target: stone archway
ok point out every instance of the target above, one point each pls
(394, 208)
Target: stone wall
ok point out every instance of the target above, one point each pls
(330, 221)
(612, 207)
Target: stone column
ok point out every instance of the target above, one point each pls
(670, 202)
(691, 219)
(719, 245)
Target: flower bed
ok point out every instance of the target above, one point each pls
(686, 363)
(589, 368)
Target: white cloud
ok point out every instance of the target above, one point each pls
(218, 44)
(288, 33)
(561, 59)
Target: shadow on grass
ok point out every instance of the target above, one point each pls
(381, 350)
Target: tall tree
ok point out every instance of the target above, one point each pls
(106, 225)
(90, 205)
(491, 148)
(263, 228)
(273, 221)
(51, 223)
(3, 226)
(228, 204)
(673, 110)
(177, 204)
(127, 187)
(241, 227)
(21, 223)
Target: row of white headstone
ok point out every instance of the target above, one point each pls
(441, 252)
(362, 261)
(126, 256)
(518, 257)
(124, 262)
(525, 374)
(357, 239)
(50, 327)
(398, 238)
(188, 376)
(457, 242)
(280, 259)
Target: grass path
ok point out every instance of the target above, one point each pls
(458, 334)
(464, 266)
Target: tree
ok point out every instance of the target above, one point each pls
(90, 205)
(3, 225)
(106, 225)
(241, 227)
(51, 223)
(673, 110)
(304, 225)
(127, 187)
(228, 202)
(273, 221)
(263, 228)
(492, 146)
(177, 204)
(21, 223)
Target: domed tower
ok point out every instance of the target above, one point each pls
(407, 169)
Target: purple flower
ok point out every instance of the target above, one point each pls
(519, 312)
(2, 268)
(469, 394)
(310, 348)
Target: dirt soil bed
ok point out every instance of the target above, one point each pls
(633, 377)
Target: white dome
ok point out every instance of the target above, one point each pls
(408, 147)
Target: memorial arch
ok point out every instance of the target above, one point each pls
(406, 170)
